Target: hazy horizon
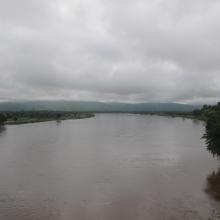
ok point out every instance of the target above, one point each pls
(100, 101)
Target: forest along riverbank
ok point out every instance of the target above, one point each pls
(210, 114)
(204, 114)
(24, 117)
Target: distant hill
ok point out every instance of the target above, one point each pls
(84, 106)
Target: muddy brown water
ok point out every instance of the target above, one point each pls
(111, 167)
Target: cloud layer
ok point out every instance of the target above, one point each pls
(161, 50)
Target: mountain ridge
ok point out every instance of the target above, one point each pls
(95, 106)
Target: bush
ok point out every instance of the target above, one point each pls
(3, 118)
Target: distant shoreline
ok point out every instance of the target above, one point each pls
(44, 120)
(17, 118)
(29, 120)
(176, 115)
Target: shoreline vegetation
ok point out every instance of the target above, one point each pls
(25, 117)
(203, 114)
(210, 114)
(188, 115)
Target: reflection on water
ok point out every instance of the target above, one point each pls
(58, 122)
(2, 129)
(213, 185)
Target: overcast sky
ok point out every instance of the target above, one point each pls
(110, 50)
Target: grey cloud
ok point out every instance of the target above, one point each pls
(162, 50)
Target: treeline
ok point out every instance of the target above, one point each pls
(19, 117)
(208, 113)
(211, 115)
(97, 107)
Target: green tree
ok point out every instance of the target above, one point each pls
(212, 135)
(2, 118)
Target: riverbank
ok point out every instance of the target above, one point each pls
(188, 115)
(22, 117)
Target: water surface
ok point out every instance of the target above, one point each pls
(111, 167)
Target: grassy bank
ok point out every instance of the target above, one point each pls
(24, 117)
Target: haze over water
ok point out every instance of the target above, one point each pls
(110, 167)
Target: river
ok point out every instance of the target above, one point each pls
(110, 167)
